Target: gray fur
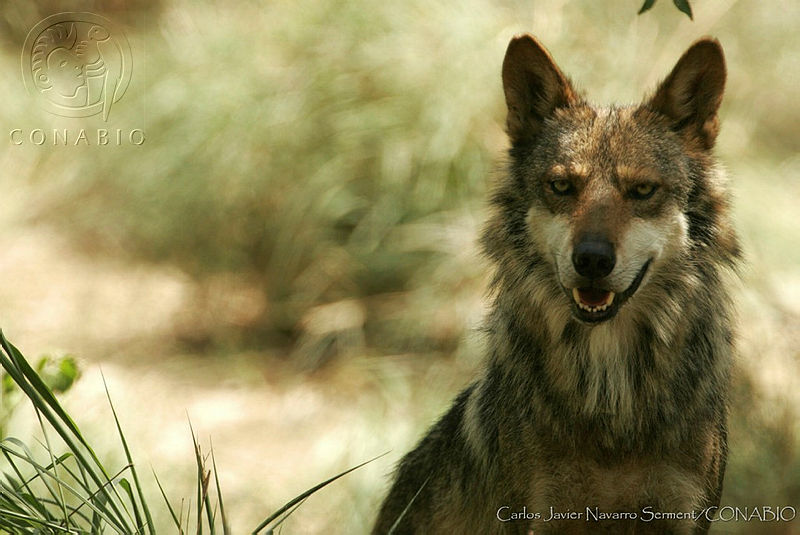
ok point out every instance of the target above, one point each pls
(621, 415)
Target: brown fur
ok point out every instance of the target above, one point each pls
(620, 409)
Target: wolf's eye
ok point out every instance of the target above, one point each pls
(561, 187)
(643, 191)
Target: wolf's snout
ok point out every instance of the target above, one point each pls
(594, 258)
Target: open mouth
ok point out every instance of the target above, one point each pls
(593, 299)
(594, 305)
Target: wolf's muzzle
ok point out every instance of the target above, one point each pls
(594, 305)
(593, 257)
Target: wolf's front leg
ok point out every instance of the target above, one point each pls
(442, 488)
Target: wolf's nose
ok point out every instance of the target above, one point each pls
(594, 258)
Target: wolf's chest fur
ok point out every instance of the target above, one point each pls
(606, 417)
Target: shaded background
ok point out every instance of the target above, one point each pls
(290, 256)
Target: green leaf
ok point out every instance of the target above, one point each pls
(646, 6)
(8, 384)
(58, 374)
(684, 6)
(68, 369)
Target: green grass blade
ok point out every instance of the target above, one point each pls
(199, 477)
(188, 513)
(171, 510)
(22, 480)
(24, 503)
(17, 487)
(57, 461)
(40, 501)
(308, 493)
(202, 482)
(210, 516)
(286, 515)
(96, 519)
(125, 484)
(102, 497)
(148, 518)
(207, 506)
(226, 530)
(6, 514)
(407, 507)
(26, 457)
(49, 449)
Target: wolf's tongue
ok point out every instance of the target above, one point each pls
(593, 296)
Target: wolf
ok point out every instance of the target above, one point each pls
(602, 405)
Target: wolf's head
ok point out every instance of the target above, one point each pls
(601, 203)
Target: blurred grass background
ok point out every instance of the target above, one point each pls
(290, 256)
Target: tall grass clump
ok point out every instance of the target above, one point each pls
(74, 492)
(70, 492)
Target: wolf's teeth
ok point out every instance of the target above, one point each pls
(589, 308)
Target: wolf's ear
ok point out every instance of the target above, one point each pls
(534, 87)
(690, 96)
